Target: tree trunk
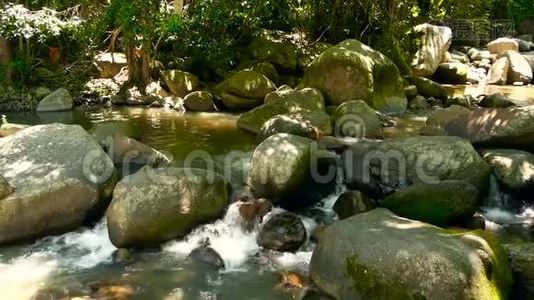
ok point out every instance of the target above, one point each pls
(5, 59)
(138, 66)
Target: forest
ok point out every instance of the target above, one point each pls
(274, 149)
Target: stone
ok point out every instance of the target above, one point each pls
(282, 170)
(59, 100)
(7, 129)
(419, 103)
(498, 73)
(269, 46)
(497, 100)
(287, 124)
(5, 188)
(154, 89)
(281, 93)
(443, 116)
(530, 59)
(180, 83)
(125, 151)
(352, 70)
(352, 203)
(466, 101)
(253, 210)
(452, 73)
(440, 203)
(61, 178)
(307, 99)
(153, 206)
(199, 101)
(356, 119)
(244, 90)
(522, 262)
(501, 45)
(524, 46)
(207, 256)
(434, 43)
(282, 231)
(513, 169)
(267, 70)
(378, 255)
(460, 57)
(410, 91)
(519, 70)
(110, 64)
(121, 256)
(428, 88)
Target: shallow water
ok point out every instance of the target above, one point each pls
(522, 95)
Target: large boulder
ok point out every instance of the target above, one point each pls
(180, 83)
(498, 127)
(110, 64)
(5, 188)
(156, 205)
(520, 70)
(530, 58)
(497, 100)
(244, 90)
(59, 100)
(378, 255)
(282, 231)
(287, 124)
(127, 151)
(389, 166)
(269, 46)
(199, 101)
(439, 203)
(291, 170)
(522, 263)
(428, 88)
(442, 116)
(61, 178)
(352, 70)
(434, 43)
(307, 99)
(501, 45)
(452, 73)
(352, 203)
(513, 169)
(356, 119)
(498, 73)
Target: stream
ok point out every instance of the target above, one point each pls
(80, 264)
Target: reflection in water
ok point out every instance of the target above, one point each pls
(522, 95)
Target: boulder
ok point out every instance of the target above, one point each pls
(306, 99)
(199, 101)
(287, 124)
(418, 103)
(281, 93)
(126, 151)
(452, 73)
(498, 73)
(291, 171)
(352, 70)
(511, 127)
(352, 203)
(110, 64)
(180, 83)
(530, 59)
(439, 203)
(519, 70)
(267, 70)
(378, 255)
(156, 205)
(61, 178)
(428, 88)
(459, 57)
(410, 91)
(253, 210)
(466, 101)
(522, 262)
(434, 43)
(392, 165)
(207, 256)
(316, 118)
(59, 100)
(244, 90)
(155, 90)
(356, 119)
(524, 46)
(282, 231)
(497, 100)
(5, 188)
(513, 169)
(442, 116)
(269, 46)
(7, 129)
(501, 45)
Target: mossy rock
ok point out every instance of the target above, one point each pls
(427, 87)
(244, 90)
(452, 73)
(270, 47)
(356, 119)
(180, 83)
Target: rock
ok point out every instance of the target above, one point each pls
(199, 101)
(207, 256)
(434, 43)
(5, 188)
(511, 127)
(439, 203)
(156, 205)
(497, 100)
(530, 59)
(514, 169)
(526, 38)
(460, 57)
(41, 92)
(244, 90)
(110, 64)
(125, 151)
(392, 165)
(300, 100)
(180, 83)
(501, 45)
(428, 88)
(281, 93)
(498, 73)
(356, 119)
(352, 203)
(310, 52)
(466, 101)
(410, 92)
(524, 46)
(443, 116)
(134, 97)
(59, 100)
(419, 103)
(378, 255)
(282, 231)
(484, 55)
(286, 124)
(267, 70)
(269, 46)
(155, 90)
(121, 255)
(283, 171)
(61, 177)
(452, 73)
(7, 129)
(522, 262)
(352, 70)
(520, 70)
(254, 209)
(316, 118)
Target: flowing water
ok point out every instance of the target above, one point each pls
(80, 264)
